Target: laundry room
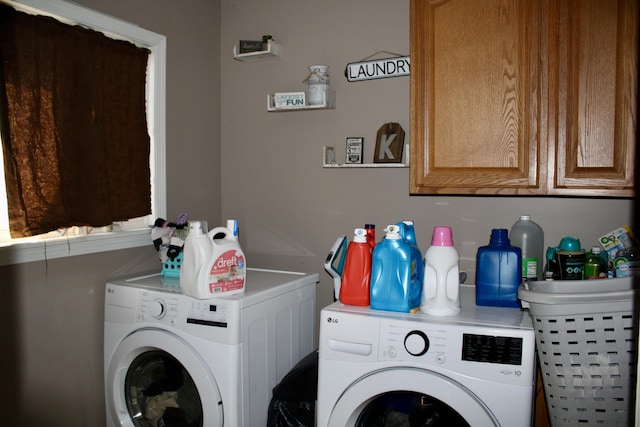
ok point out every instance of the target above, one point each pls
(228, 156)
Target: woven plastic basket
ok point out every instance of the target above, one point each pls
(586, 340)
(171, 268)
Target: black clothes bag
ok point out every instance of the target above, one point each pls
(294, 400)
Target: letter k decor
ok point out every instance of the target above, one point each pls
(389, 144)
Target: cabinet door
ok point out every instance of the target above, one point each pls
(476, 97)
(595, 68)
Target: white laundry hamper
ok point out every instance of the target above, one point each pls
(587, 340)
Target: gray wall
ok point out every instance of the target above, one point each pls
(227, 157)
(51, 363)
(290, 208)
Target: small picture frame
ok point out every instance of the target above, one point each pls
(249, 46)
(354, 150)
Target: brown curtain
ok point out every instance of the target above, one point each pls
(73, 121)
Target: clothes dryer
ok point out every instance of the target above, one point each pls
(172, 360)
(379, 368)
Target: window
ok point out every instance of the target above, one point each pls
(130, 233)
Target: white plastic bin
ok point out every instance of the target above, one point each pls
(586, 340)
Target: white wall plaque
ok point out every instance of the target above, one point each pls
(378, 69)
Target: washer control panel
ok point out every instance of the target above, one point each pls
(484, 352)
(159, 308)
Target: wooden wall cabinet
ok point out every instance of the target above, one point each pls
(524, 97)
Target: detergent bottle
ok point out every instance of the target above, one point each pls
(408, 233)
(529, 237)
(441, 286)
(196, 254)
(227, 268)
(371, 234)
(498, 271)
(356, 277)
(394, 274)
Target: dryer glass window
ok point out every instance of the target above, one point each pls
(409, 409)
(160, 392)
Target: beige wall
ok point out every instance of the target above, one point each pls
(270, 178)
(51, 363)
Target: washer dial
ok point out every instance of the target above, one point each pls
(157, 308)
(416, 343)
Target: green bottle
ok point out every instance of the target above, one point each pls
(595, 267)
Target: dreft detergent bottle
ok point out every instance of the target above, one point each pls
(356, 277)
(227, 267)
(195, 258)
(394, 274)
(441, 286)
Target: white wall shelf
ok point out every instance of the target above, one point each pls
(274, 50)
(328, 104)
(328, 161)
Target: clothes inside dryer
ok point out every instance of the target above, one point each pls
(408, 409)
(159, 392)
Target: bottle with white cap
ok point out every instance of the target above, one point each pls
(394, 274)
(356, 276)
(529, 237)
(196, 254)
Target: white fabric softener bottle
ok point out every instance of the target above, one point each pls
(441, 287)
(197, 252)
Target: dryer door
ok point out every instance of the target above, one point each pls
(156, 378)
(409, 396)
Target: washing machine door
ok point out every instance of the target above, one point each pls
(406, 396)
(157, 379)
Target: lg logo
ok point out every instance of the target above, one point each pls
(331, 320)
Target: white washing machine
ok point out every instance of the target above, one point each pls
(172, 360)
(380, 368)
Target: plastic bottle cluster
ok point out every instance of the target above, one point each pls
(392, 275)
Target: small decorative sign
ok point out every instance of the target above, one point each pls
(378, 69)
(354, 150)
(248, 46)
(389, 144)
(289, 99)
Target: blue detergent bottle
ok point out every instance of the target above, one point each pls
(498, 271)
(394, 274)
(408, 233)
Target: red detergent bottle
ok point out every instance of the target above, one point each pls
(371, 234)
(356, 277)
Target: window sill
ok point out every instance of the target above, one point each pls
(38, 249)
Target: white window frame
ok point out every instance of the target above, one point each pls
(36, 248)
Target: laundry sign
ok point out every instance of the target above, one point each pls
(378, 69)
